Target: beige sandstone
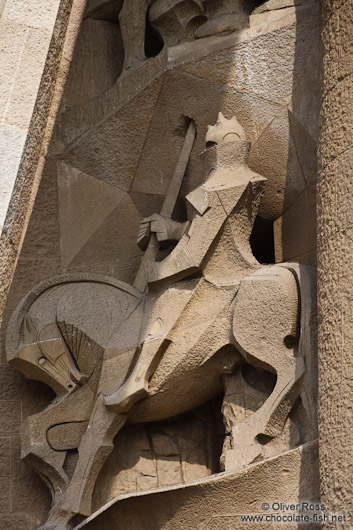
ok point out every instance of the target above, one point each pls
(159, 262)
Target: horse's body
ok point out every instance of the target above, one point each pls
(114, 355)
(187, 359)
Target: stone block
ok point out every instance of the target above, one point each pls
(129, 468)
(10, 411)
(12, 141)
(32, 14)
(76, 121)
(147, 203)
(305, 147)
(27, 78)
(43, 232)
(5, 458)
(6, 83)
(168, 470)
(305, 99)
(12, 42)
(107, 223)
(5, 495)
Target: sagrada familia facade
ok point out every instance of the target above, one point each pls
(176, 264)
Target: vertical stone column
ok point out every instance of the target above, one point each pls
(335, 260)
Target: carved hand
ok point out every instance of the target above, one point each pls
(164, 228)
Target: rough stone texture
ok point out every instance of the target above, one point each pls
(36, 44)
(113, 153)
(334, 256)
(25, 37)
(81, 333)
(146, 457)
(217, 502)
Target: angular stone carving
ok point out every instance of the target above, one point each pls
(224, 16)
(113, 354)
(177, 20)
(132, 19)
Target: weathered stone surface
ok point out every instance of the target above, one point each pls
(10, 417)
(164, 353)
(278, 57)
(336, 111)
(217, 501)
(5, 456)
(14, 521)
(16, 11)
(334, 260)
(119, 226)
(276, 156)
(85, 202)
(116, 146)
(111, 151)
(269, 5)
(180, 97)
(295, 230)
(25, 89)
(28, 493)
(96, 64)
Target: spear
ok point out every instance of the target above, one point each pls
(168, 205)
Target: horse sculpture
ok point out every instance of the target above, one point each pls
(113, 354)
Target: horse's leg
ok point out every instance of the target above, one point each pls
(35, 446)
(136, 386)
(268, 421)
(265, 324)
(96, 445)
(132, 19)
(37, 453)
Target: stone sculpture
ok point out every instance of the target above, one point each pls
(132, 20)
(177, 21)
(224, 16)
(114, 354)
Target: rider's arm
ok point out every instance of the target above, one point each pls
(186, 258)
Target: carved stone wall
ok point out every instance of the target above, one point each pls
(117, 138)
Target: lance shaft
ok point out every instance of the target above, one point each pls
(170, 199)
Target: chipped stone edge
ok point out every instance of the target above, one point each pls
(206, 480)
